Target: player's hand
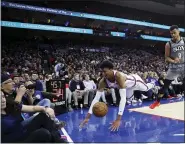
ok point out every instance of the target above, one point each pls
(84, 122)
(176, 60)
(115, 125)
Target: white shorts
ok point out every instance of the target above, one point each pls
(134, 82)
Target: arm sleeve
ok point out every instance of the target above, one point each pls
(95, 100)
(122, 101)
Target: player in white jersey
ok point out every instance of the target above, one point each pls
(126, 84)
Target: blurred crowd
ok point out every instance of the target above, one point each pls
(26, 57)
(27, 109)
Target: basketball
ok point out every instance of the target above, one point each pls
(100, 109)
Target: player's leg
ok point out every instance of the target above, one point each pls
(142, 86)
(130, 94)
(171, 75)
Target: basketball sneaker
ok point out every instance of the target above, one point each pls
(155, 104)
(179, 95)
(169, 97)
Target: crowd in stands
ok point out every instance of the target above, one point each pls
(27, 112)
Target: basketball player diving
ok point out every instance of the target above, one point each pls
(126, 84)
(174, 55)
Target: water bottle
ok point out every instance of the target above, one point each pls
(81, 106)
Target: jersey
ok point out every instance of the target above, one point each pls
(130, 81)
(177, 51)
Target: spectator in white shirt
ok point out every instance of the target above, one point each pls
(89, 86)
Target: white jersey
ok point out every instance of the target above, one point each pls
(130, 80)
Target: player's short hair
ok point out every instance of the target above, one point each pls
(174, 27)
(106, 64)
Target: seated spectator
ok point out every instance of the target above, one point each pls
(161, 84)
(37, 97)
(90, 86)
(40, 129)
(109, 92)
(78, 90)
(16, 80)
(177, 86)
(68, 98)
(27, 77)
(35, 78)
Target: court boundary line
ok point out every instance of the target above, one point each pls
(68, 137)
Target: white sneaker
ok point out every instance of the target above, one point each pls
(128, 102)
(140, 101)
(143, 96)
(179, 95)
(134, 101)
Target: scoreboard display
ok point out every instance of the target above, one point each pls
(57, 87)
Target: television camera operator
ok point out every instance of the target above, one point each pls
(60, 69)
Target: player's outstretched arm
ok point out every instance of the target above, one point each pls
(121, 82)
(96, 99)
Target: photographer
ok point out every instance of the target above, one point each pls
(7, 87)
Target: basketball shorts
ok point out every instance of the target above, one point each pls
(175, 73)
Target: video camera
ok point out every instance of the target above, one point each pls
(31, 86)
